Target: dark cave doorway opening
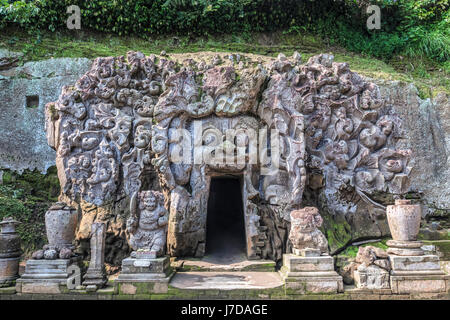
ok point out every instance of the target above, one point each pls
(225, 230)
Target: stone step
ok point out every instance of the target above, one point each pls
(226, 280)
(213, 264)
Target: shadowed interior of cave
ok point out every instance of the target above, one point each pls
(225, 232)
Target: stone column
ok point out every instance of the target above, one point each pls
(310, 269)
(412, 270)
(95, 277)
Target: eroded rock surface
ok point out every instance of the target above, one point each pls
(24, 91)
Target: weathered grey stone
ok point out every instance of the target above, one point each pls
(50, 254)
(65, 253)
(60, 224)
(371, 277)
(404, 220)
(128, 127)
(148, 227)
(22, 135)
(156, 273)
(429, 141)
(95, 275)
(295, 263)
(38, 254)
(310, 275)
(414, 263)
(10, 251)
(46, 276)
(417, 283)
(304, 233)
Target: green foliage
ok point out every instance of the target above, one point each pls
(410, 27)
(27, 197)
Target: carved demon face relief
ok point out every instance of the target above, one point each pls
(139, 123)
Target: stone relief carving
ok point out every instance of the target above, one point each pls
(304, 233)
(119, 123)
(148, 227)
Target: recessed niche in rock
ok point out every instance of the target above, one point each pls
(297, 135)
(225, 231)
(32, 102)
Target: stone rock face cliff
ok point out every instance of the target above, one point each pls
(423, 127)
(24, 91)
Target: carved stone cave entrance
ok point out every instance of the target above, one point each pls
(225, 231)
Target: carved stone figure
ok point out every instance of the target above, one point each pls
(148, 226)
(10, 251)
(304, 232)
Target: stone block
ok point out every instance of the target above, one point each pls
(304, 275)
(143, 276)
(46, 276)
(414, 263)
(419, 283)
(371, 277)
(157, 265)
(296, 263)
(41, 287)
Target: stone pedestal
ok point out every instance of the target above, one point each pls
(411, 270)
(49, 276)
(310, 273)
(411, 274)
(144, 275)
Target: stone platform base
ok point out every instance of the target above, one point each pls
(4, 283)
(46, 276)
(303, 275)
(420, 283)
(414, 274)
(143, 276)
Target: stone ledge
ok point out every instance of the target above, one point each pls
(227, 295)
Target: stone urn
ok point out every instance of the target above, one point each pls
(404, 220)
(9, 251)
(60, 224)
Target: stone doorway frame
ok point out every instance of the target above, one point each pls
(249, 241)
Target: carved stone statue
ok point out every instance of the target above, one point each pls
(148, 227)
(304, 232)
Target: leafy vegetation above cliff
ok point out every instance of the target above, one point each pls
(430, 77)
(409, 27)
